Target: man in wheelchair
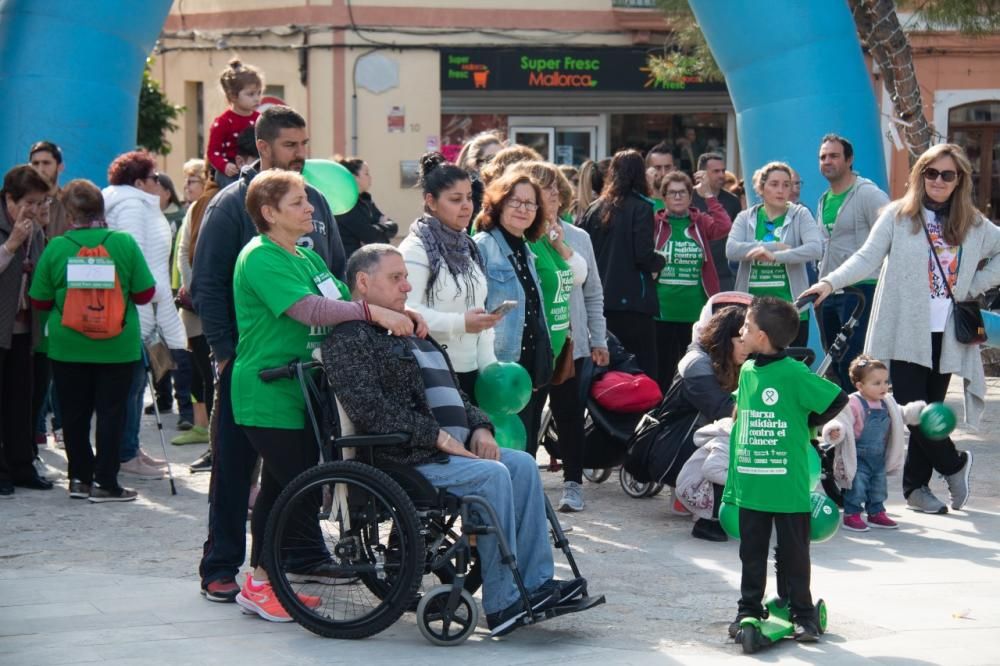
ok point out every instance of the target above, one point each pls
(388, 384)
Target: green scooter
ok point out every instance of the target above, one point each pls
(755, 634)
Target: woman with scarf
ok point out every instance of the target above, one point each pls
(446, 270)
(933, 234)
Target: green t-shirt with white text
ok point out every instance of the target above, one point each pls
(268, 280)
(679, 286)
(556, 278)
(768, 451)
(771, 279)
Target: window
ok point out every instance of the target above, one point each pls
(976, 127)
(689, 134)
(194, 119)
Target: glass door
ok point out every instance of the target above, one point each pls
(570, 140)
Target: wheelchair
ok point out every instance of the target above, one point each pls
(348, 544)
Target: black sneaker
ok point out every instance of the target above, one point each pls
(734, 626)
(6, 490)
(184, 424)
(223, 590)
(806, 631)
(503, 622)
(100, 495)
(324, 573)
(203, 463)
(78, 489)
(709, 530)
(568, 589)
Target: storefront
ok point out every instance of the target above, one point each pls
(576, 104)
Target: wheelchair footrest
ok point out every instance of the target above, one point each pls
(575, 606)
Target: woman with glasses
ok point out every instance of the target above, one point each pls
(512, 217)
(931, 235)
(620, 224)
(22, 199)
(688, 277)
(132, 205)
(774, 241)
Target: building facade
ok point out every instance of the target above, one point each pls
(388, 80)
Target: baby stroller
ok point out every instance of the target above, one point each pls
(348, 543)
(606, 432)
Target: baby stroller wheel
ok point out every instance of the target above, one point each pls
(654, 490)
(597, 475)
(633, 488)
(351, 569)
(442, 627)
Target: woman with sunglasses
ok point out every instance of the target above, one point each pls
(774, 241)
(932, 234)
(689, 278)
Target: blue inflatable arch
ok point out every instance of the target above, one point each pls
(70, 73)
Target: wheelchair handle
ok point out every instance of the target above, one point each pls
(286, 371)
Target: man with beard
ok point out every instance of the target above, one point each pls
(282, 141)
(47, 158)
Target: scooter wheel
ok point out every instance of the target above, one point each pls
(749, 638)
(821, 616)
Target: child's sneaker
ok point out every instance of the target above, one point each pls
(853, 522)
(882, 521)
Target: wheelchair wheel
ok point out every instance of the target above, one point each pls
(346, 563)
(654, 490)
(443, 628)
(633, 488)
(597, 475)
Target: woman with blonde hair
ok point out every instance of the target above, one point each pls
(774, 241)
(932, 236)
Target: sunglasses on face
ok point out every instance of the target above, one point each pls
(933, 174)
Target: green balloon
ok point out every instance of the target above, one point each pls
(503, 388)
(824, 518)
(334, 182)
(729, 518)
(509, 431)
(815, 467)
(658, 204)
(937, 420)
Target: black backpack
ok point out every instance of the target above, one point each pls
(664, 440)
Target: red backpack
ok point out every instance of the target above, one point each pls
(94, 305)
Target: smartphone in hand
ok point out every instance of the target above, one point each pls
(504, 308)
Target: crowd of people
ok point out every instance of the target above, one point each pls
(507, 260)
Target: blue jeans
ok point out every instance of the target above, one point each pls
(514, 489)
(836, 309)
(133, 413)
(869, 487)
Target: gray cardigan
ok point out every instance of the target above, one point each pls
(586, 302)
(854, 222)
(899, 328)
(800, 233)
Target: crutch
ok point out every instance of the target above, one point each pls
(159, 422)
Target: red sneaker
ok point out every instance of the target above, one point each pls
(853, 522)
(882, 521)
(260, 599)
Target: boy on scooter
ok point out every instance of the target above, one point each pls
(778, 401)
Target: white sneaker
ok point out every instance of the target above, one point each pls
(141, 470)
(572, 497)
(150, 460)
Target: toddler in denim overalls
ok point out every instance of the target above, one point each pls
(871, 450)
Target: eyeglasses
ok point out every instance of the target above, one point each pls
(153, 176)
(529, 206)
(947, 176)
(675, 194)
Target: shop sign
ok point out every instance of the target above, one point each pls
(597, 69)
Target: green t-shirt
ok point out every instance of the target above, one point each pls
(679, 286)
(267, 281)
(831, 206)
(768, 457)
(49, 284)
(771, 279)
(556, 278)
